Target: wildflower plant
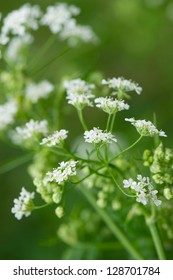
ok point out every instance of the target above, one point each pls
(95, 162)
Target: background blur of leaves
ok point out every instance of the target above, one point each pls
(137, 43)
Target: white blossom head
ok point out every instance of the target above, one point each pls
(74, 33)
(143, 189)
(98, 136)
(31, 130)
(79, 93)
(15, 51)
(63, 172)
(110, 105)
(8, 111)
(36, 91)
(122, 86)
(145, 128)
(23, 205)
(20, 21)
(55, 139)
(58, 16)
(60, 20)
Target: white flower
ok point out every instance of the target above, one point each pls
(57, 16)
(56, 138)
(19, 21)
(146, 128)
(30, 129)
(78, 86)
(97, 136)
(62, 172)
(24, 204)
(16, 46)
(122, 85)
(8, 111)
(74, 32)
(143, 189)
(79, 93)
(35, 91)
(110, 105)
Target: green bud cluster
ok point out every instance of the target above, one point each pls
(160, 163)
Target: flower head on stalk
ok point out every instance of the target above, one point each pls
(63, 172)
(122, 86)
(98, 136)
(56, 138)
(145, 128)
(144, 190)
(110, 105)
(23, 205)
(8, 111)
(35, 91)
(79, 93)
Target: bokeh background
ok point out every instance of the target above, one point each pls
(136, 42)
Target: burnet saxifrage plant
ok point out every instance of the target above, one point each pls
(97, 165)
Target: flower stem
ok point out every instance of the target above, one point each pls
(108, 122)
(114, 180)
(156, 239)
(128, 148)
(81, 118)
(112, 226)
(112, 122)
(15, 163)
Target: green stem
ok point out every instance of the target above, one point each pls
(15, 163)
(108, 122)
(128, 148)
(116, 183)
(156, 240)
(43, 50)
(81, 118)
(112, 226)
(112, 122)
(41, 206)
(49, 62)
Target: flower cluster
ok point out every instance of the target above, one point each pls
(19, 22)
(30, 129)
(15, 51)
(143, 189)
(24, 204)
(160, 163)
(121, 85)
(7, 112)
(50, 192)
(98, 136)
(62, 172)
(56, 138)
(110, 105)
(35, 91)
(79, 93)
(146, 128)
(59, 18)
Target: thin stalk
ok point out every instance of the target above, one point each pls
(128, 148)
(43, 50)
(116, 183)
(112, 226)
(81, 118)
(15, 163)
(156, 240)
(108, 122)
(49, 62)
(41, 206)
(112, 122)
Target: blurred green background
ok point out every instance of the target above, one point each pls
(136, 42)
